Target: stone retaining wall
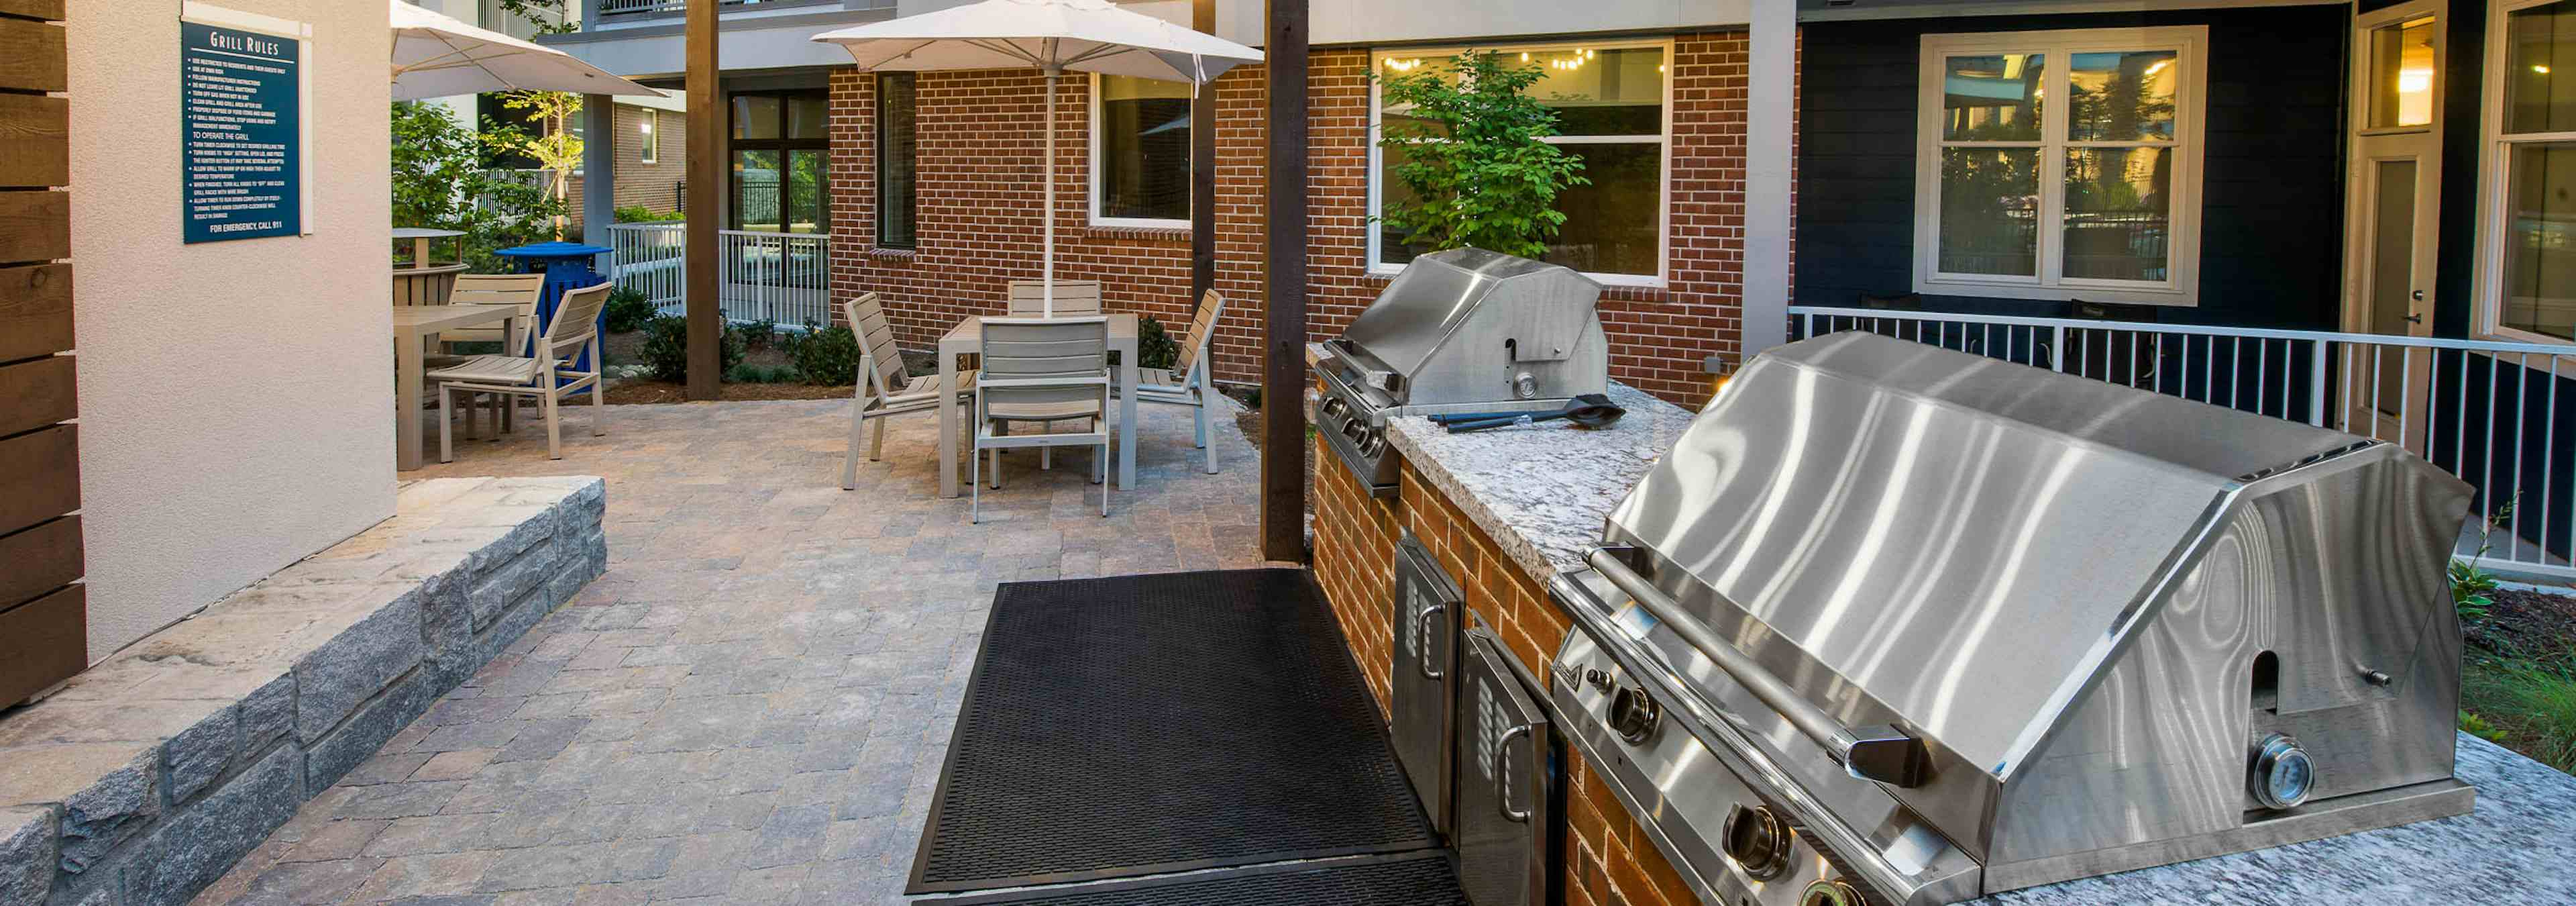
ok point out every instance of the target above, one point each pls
(147, 776)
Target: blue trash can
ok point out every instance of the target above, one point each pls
(567, 266)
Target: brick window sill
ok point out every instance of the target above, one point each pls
(1146, 234)
(887, 254)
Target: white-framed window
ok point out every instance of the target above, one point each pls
(651, 141)
(1140, 152)
(2060, 165)
(2527, 175)
(1613, 102)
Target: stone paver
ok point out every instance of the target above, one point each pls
(753, 704)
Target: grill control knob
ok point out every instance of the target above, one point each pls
(1634, 715)
(1758, 842)
(1334, 405)
(1836, 892)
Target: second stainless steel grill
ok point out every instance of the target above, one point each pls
(1896, 624)
(1462, 330)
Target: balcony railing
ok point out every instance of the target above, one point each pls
(2487, 412)
(780, 277)
(624, 8)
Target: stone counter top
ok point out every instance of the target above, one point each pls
(1541, 492)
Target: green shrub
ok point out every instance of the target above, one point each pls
(755, 374)
(636, 213)
(828, 357)
(666, 348)
(2472, 590)
(627, 310)
(2477, 726)
(760, 333)
(1155, 348)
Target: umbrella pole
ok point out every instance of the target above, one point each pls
(1046, 270)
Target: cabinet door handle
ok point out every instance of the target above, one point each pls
(1503, 775)
(1422, 631)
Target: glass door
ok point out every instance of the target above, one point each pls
(2395, 204)
(780, 152)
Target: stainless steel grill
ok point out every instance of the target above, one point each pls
(1896, 624)
(1463, 330)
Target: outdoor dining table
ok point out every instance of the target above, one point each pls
(967, 338)
(413, 326)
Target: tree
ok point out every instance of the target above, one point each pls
(555, 147)
(445, 177)
(1473, 161)
(547, 15)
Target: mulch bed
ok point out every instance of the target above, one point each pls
(2527, 624)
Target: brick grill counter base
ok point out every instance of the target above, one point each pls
(1607, 861)
(147, 776)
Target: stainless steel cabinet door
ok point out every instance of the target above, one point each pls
(1427, 605)
(1505, 771)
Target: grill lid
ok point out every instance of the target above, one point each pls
(1964, 539)
(1425, 305)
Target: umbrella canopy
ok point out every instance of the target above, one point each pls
(1053, 36)
(436, 56)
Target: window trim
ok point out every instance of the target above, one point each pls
(2181, 288)
(650, 150)
(1092, 168)
(1662, 277)
(877, 157)
(2486, 313)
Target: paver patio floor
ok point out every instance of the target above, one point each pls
(752, 705)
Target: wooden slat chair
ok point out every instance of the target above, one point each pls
(519, 290)
(883, 390)
(1188, 383)
(575, 328)
(1072, 298)
(1041, 369)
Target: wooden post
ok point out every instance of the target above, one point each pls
(706, 181)
(1203, 169)
(43, 608)
(1283, 373)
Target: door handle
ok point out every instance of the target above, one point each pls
(1503, 775)
(2414, 318)
(1422, 631)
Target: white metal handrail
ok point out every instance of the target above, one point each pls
(780, 277)
(2486, 411)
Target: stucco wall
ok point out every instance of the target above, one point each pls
(234, 397)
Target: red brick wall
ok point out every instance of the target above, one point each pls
(1608, 861)
(639, 184)
(978, 188)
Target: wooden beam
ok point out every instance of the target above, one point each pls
(1203, 170)
(49, 638)
(40, 560)
(33, 9)
(36, 393)
(35, 311)
(1283, 373)
(39, 476)
(706, 184)
(35, 140)
(31, 56)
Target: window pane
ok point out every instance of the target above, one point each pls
(1992, 98)
(804, 201)
(2117, 205)
(2401, 74)
(1391, 191)
(1602, 92)
(895, 149)
(2540, 244)
(806, 116)
(1989, 211)
(1610, 225)
(1144, 148)
(2122, 97)
(755, 116)
(2542, 43)
(651, 148)
(756, 199)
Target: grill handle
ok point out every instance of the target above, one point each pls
(1880, 752)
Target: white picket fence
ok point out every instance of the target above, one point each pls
(2487, 412)
(781, 277)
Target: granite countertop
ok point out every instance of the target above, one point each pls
(1541, 491)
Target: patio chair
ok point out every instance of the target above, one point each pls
(1072, 297)
(1188, 383)
(1046, 370)
(883, 390)
(575, 328)
(497, 289)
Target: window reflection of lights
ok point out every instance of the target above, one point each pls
(2542, 68)
(2159, 66)
(2410, 81)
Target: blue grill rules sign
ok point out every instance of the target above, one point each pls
(242, 123)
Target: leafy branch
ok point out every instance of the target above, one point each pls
(1474, 159)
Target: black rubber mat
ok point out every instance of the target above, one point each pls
(1149, 724)
(1409, 880)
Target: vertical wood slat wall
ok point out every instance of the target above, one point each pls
(43, 608)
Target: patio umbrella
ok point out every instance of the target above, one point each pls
(1053, 36)
(436, 56)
